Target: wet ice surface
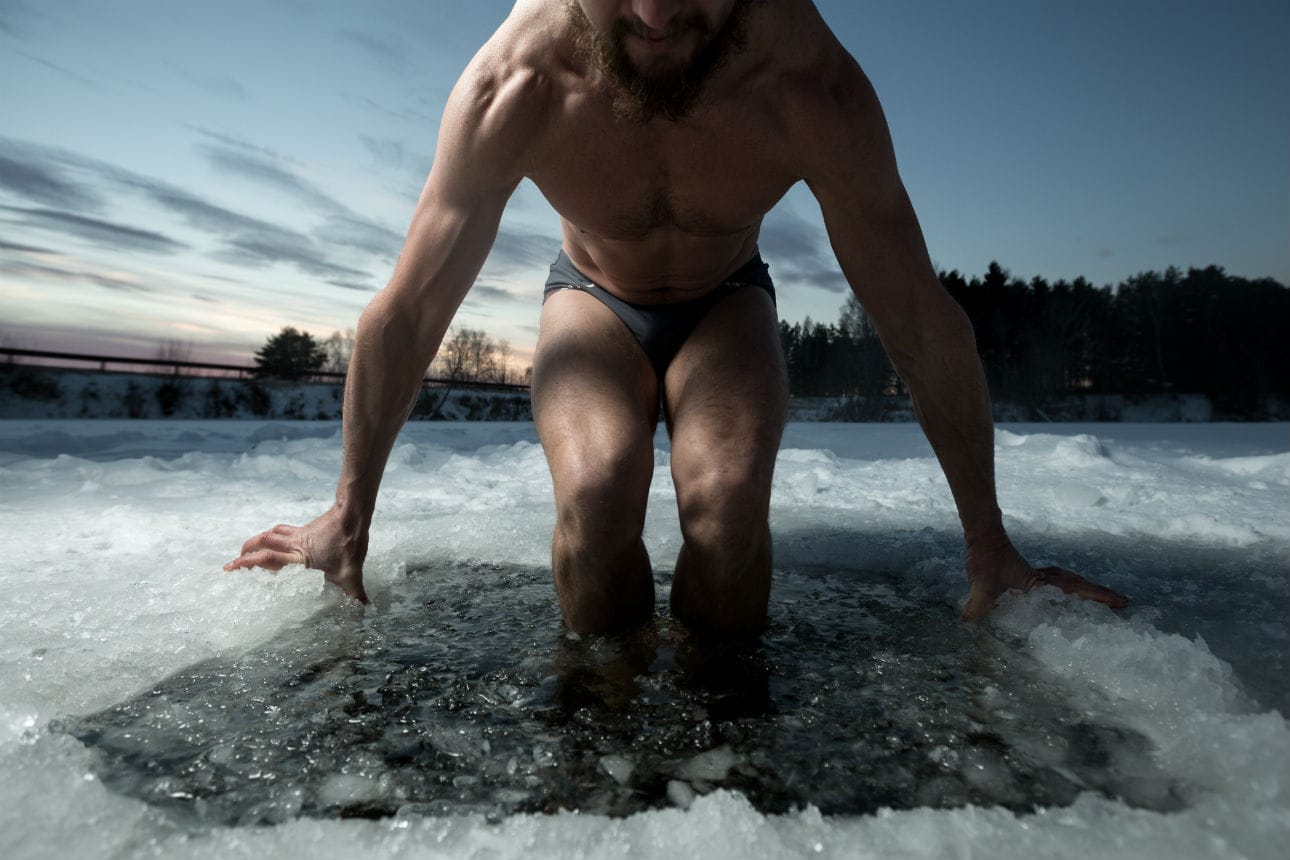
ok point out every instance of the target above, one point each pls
(152, 705)
(459, 695)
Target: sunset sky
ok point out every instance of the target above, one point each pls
(210, 172)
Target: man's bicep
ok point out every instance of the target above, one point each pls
(871, 223)
(475, 170)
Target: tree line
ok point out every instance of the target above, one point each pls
(465, 356)
(1199, 332)
(1202, 331)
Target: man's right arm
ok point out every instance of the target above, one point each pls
(476, 168)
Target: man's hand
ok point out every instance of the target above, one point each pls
(995, 569)
(325, 544)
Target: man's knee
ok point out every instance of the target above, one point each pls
(723, 505)
(603, 493)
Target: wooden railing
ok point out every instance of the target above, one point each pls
(180, 367)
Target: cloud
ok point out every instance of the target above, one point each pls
(38, 173)
(30, 249)
(349, 285)
(493, 294)
(385, 53)
(25, 176)
(266, 172)
(63, 70)
(105, 233)
(799, 252)
(248, 241)
(356, 232)
(387, 151)
(516, 250)
(408, 115)
(392, 154)
(14, 15)
(41, 271)
(344, 226)
(200, 213)
(252, 250)
(790, 236)
(235, 142)
(216, 85)
(22, 20)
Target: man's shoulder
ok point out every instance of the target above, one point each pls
(824, 99)
(523, 60)
(812, 67)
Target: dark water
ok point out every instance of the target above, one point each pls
(459, 693)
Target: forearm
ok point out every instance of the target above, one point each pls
(951, 399)
(382, 384)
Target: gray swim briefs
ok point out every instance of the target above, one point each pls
(659, 329)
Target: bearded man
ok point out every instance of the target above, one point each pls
(662, 132)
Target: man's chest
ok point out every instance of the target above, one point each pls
(716, 177)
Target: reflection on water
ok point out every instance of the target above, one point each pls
(459, 693)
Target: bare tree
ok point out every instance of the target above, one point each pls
(176, 351)
(466, 356)
(469, 355)
(339, 347)
(8, 341)
(504, 361)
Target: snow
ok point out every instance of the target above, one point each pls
(113, 533)
(28, 391)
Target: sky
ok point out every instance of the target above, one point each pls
(207, 173)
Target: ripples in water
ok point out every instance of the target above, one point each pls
(460, 693)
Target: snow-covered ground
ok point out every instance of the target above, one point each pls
(32, 392)
(135, 674)
(35, 392)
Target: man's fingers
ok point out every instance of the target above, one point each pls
(277, 538)
(268, 559)
(981, 598)
(1073, 583)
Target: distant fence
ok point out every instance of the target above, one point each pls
(153, 366)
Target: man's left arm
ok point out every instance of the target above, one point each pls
(851, 168)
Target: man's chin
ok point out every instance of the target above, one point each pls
(658, 65)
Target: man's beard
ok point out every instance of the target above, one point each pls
(640, 96)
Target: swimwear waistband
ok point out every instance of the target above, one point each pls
(754, 273)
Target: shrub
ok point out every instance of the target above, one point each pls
(169, 394)
(256, 398)
(31, 384)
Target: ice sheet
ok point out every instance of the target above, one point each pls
(113, 533)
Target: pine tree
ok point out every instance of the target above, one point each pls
(290, 354)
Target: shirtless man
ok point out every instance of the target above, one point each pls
(662, 131)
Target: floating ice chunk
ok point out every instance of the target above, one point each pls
(618, 767)
(1074, 494)
(983, 769)
(710, 766)
(453, 742)
(342, 789)
(680, 793)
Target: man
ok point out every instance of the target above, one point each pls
(662, 131)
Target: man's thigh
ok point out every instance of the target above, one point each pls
(595, 396)
(726, 396)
